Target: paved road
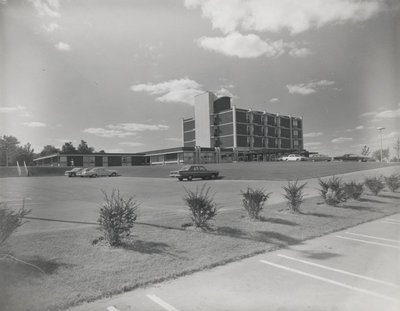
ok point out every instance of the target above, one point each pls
(79, 199)
(355, 269)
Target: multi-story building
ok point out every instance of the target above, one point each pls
(218, 132)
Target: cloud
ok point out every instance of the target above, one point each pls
(8, 109)
(50, 27)
(62, 46)
(48, 8)
(314, 134)
(123, 129)
(360, 127)
(242, 46)
(339, 140)
(34, 124)
(224, 92)
(274, 100)
(393, 134)
(308, 88)
(291, 15)
(386, 114)
(131, 144)
(313, 144)
(180, 90)
(299, 52)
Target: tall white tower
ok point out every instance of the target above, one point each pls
(203, 113)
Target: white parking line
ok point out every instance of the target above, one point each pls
(112, 308)
(373, 237)
(368, 242)
(161, 303)
(390, 222)
(340, 271)
(313, 276)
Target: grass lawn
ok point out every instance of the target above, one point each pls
(77, 271)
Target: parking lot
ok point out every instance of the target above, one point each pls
(354, 269)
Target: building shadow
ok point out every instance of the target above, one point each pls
(278, 221)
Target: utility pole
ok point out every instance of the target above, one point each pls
(380, 129)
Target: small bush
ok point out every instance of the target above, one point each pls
(201, 205)
(10, 220)
(117, 216)
(353, 190)
(332, 190)
(393, 182)
(374, 184)
(294, 195)
(253, 201)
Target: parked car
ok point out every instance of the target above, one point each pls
(319, 157)
(83, 171)
(351, 157)
(74, 172)
(193, 171)
(99, 171)
(294, 157)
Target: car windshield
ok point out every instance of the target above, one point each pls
(185, 168)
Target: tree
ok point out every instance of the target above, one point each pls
(8, 146)
(48, 150)
(365, 151)
(25, 154)
(377, 154)
(68, 147)
(84, 148)
(397, 148)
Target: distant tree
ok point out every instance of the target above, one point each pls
(397, 148)
(365, 151)
(84, 148)
(68, 147)
(377, 154)
(8, 147)
(25, 154)
(102, 151)
(48, 150)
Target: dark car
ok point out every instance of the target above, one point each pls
(193, 171)
(74, 172)
(319, 157)
(351, 157)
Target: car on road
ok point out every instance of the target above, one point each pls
(351, 157)
(193, 171)
(99, 171)
(294, 157)
(74, 172)
(319, 157)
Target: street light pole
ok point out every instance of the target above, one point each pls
(380, 129)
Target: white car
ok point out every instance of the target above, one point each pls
(99, 171)
(294, 157)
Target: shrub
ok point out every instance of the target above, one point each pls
(117, 216)
(332, 190)
(10, 220)
(353, 190)
(201, 205)
(374, 184)
(253, 201)
(393, 182)
(294, 195)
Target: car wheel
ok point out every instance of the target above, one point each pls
(113, 174)
(180, 178)
(94, 175)
(190, 178)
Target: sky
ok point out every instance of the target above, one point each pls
(122, 74)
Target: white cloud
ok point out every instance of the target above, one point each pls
(34, 124)
(131, 144)
(274, 16)
(224, 92)
(180, 90)
(339, 140)
(299, 52)
(313, 144)
(62, 46)
(386, 114)
(242, 46)
(124, 129)
(8, 109)
(48, 8)
(314, 134)
(367, 114)
(274, 100)
(50, 27)
(360, 127)
(393, 134)
(308, 88)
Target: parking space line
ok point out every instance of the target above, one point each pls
(368, 242)
(390, 222)
(161, 302)
(326, 280)
(373, 237)
(339, 271)
(112, 308)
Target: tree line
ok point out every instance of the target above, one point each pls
(11, 151)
